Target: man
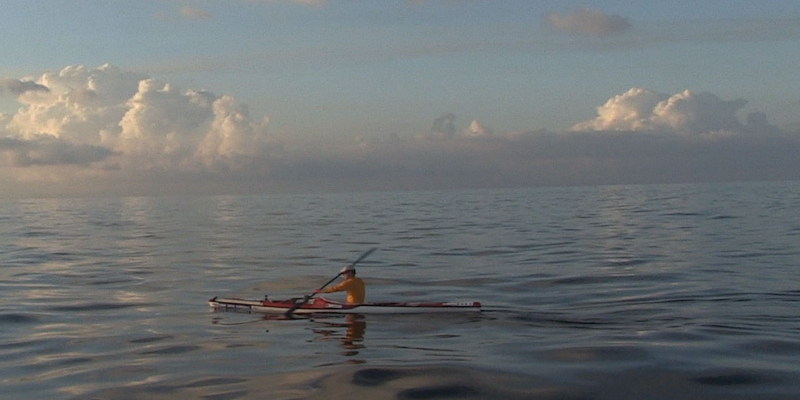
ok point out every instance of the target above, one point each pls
(353, 286)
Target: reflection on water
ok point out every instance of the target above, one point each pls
(349, 332)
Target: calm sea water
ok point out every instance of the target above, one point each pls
(615, 292)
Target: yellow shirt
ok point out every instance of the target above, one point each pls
(353, 286)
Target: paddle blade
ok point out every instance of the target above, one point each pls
(363, 256)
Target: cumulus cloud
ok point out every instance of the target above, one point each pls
(587, 22)
(687, 112)
(445, 127)
(114, 119)
(475, 128)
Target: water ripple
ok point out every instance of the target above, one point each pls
(588, 293)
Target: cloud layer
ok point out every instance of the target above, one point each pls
(105, 130)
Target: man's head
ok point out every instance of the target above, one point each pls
(348, 270)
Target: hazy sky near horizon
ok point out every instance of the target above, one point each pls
(229, 96)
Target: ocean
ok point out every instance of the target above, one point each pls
(687, 291)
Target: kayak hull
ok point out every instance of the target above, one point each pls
(326, 306)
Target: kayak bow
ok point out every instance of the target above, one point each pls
(323, 305)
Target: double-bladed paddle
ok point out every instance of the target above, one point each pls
(308, 297)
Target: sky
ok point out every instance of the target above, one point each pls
(161, 97)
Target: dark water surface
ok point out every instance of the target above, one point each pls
(614, 292)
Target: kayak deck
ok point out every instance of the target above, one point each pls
(323, 305)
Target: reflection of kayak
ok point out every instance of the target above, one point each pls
(323, 305)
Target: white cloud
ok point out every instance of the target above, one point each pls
(114, 119)
(587, 22)
(644, 110)
(233, 138)
(445, 127)
(477, 129)
(79, 104)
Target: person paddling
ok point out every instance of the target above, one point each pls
(354, 287)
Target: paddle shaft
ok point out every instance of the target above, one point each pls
(329, 282)
(308, 297)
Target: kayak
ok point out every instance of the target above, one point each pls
(323, 305)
